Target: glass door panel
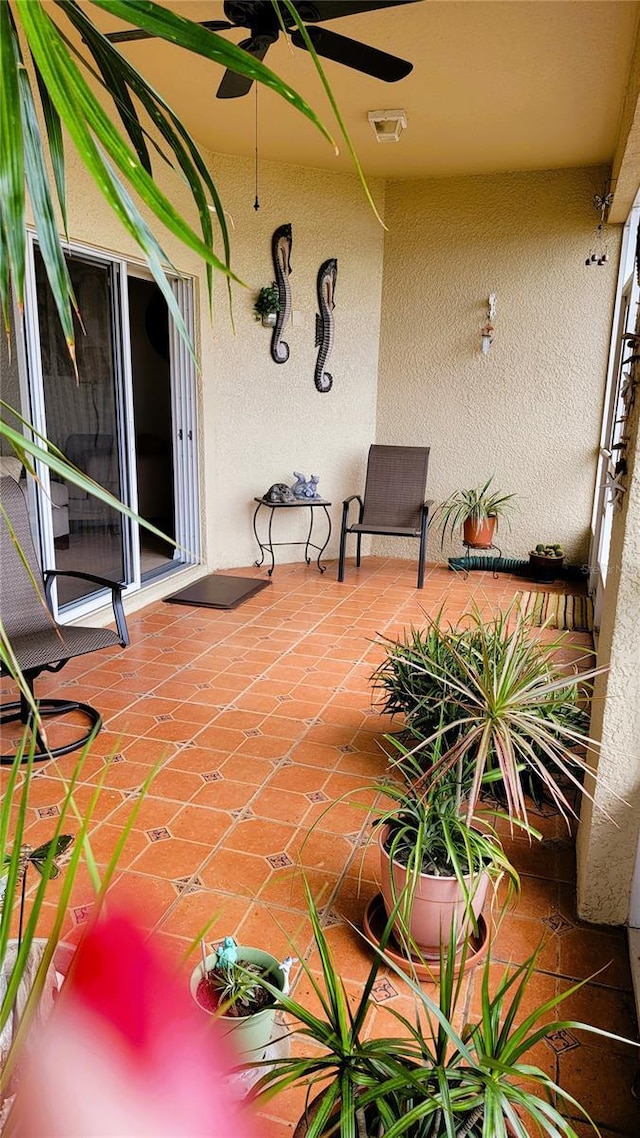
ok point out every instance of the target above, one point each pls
(83, 419)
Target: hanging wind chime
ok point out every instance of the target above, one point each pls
(599, 253)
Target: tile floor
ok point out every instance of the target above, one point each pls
(260, 719)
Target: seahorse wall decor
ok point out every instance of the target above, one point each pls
(327, 276)
(281, 243)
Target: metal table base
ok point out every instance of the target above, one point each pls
(269, 545)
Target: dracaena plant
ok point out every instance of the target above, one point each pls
(496, 696)
(427, 1079)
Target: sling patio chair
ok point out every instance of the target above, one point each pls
(394, 504)
(38, 643)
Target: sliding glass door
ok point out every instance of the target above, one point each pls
(115, 421)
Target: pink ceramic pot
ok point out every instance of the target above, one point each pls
(436, 903)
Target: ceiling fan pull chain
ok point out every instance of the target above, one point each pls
(256, 204)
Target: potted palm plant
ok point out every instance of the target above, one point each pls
(477, 511)
(429, 1080)
(230, 984)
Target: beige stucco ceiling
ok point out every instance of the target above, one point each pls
(504, 85)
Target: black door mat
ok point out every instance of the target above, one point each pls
(218, 592)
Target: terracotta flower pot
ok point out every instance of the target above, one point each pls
(437, 902)
(479, 535)
(249, 1035)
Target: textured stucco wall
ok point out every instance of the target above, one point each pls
(530, 411)
(608, 845)
(259, 421)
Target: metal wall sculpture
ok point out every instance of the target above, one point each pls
(327, 276)
(281, 243)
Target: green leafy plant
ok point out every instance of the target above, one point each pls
(364, 1072)
(430, 1080)
(427, 833)
(267, 301)
(475, 505)
(500, 701)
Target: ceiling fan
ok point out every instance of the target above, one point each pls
(261, 19)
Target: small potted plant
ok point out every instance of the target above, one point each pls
(546, 561)
(229, 983)
(436, 865)
(267, 305)
(478, 511)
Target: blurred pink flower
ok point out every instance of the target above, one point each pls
(126, 1053)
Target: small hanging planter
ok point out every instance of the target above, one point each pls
(267, 305)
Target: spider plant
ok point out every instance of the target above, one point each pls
(512, 708)
(475, 505)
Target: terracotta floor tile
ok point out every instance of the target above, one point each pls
(282, 805)
(194, 910)
(224, 794)
(587, 1069)
(270, 708)
(201, 824)
(230, 871)
(170, 857)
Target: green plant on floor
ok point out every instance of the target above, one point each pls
(475, 505)
(424, 830)
(267, 301)
(431, 1080)
(494, 693)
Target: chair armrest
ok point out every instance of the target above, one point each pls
(116, 588)
(345, 509)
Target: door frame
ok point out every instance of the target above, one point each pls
(183, 380)
(624, 319)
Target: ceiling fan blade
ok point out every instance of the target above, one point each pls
(233, 85)
(138, 34)
(314, 11)
(354, 54)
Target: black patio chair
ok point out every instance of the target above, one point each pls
(37, 641)
(394, 504)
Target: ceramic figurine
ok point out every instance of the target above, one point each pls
(285, 968)
(303, 488)
(299, 487)
(227, 953)
(279, 492)
(312, 486)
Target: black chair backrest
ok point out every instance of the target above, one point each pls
(396, 485)
(22, 608)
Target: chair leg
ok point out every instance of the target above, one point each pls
(358, 546)
(343, 550)
(423, 550)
